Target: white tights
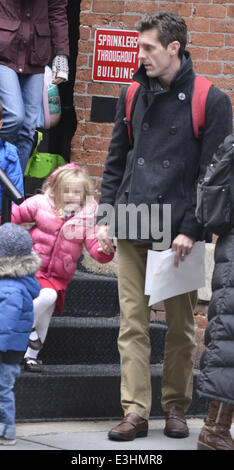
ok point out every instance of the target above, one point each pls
(43, 307)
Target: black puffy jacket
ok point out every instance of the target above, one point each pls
(216, 380)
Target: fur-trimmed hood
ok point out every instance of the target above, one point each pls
(19, 266)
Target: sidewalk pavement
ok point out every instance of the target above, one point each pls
(92, 435)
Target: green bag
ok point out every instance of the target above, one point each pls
(41, 165)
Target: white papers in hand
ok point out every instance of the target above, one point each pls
(164, 280)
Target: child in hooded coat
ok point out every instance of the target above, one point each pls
(18, 288)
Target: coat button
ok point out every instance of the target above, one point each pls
(166, 164)
(141, 161)
(145, 126)
(173, 130)
(160, 198)
(181, 96)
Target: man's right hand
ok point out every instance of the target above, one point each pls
(105, 242)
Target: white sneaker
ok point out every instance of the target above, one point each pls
(7, 442)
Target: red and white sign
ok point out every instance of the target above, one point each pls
(115, 57)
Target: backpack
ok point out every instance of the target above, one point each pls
(215, 193)
(200, 92)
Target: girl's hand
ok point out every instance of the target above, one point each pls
(105, 242)
(106, 251)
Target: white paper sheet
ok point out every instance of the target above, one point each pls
(164, 280)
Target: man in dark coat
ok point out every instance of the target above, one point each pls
(161, 168)
(32, 34)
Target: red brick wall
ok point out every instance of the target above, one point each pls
(210, 40)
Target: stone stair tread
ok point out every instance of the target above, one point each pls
(92, 340)
(75, 369)
(96, 322)
(88, 370)
(82, 369)
(92, 295)
(83, 392)
(80, 357)
(93, 276)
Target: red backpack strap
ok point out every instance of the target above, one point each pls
(200, 92)
(128, 106)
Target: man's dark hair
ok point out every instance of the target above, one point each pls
(1, 111)
(170, 26)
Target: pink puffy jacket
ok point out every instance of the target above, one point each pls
(59, 243)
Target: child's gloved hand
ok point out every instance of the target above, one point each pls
(59, 69)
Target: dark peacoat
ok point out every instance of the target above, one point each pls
(166, 160)
(216, 380)
(32, 33)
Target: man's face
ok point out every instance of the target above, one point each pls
(156, 59)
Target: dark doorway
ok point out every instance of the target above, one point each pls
(59, 137)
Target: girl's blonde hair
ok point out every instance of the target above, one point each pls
(54, 186)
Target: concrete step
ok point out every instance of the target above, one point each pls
(73, 340)
(92, 295)
(83, 392)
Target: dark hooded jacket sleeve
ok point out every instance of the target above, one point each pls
(218, 124)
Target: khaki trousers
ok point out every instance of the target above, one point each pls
(134, 341)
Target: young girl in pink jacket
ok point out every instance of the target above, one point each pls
(63, 221)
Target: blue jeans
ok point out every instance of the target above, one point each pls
(21, 99)
(8, 375)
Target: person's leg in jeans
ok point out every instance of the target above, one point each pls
(21, 98)
(32, 91)
(8, 375)
(12, 103)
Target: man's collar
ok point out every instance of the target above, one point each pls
(153, 84)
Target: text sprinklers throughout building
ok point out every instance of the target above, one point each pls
(115, 57)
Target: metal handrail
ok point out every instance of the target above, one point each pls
(9, 193)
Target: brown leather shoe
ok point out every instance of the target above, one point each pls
(176, 425)
(130, 427)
